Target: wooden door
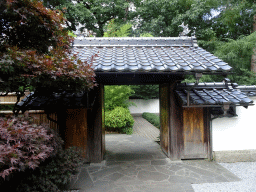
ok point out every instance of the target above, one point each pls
(195, 134)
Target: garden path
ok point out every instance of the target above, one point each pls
(145, 129)
(136, 164)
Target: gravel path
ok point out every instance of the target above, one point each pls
(246, 171)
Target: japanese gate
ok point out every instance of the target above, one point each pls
(186, 109)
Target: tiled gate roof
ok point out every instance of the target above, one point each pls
(215, 94)
(139, 55)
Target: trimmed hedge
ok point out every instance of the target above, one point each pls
(152, 118)
(119, 120)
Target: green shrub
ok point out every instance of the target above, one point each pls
(117, 96)
(55, 173)
(152, 118)
(52, 175)
(119, 120)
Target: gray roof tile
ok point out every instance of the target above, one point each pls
(212, 94)
(148, 54)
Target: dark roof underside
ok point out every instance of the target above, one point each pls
(201, 95)
(179, 55)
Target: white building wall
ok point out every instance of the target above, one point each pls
(151, 106)
(236, 133)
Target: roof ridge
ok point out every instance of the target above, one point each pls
(135, 41)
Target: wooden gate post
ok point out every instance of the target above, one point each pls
(164, 117)
(171, 136)
(96, 131)
(176, 126)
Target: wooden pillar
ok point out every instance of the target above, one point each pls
(208, 132)
(164, 117)
(171, 131)
(96, 132)
(176, 141)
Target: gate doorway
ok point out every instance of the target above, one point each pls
(143, 131)
(184, 133)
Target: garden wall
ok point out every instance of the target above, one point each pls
(235, 133)
(151, 106)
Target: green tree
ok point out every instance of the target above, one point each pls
(158, 17)
(117, 96)
(93, 15)
(35, 50)
(238, 54)
(114, 30)
(145, 91)
(207, 19)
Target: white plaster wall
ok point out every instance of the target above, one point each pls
(151, 106)
(236, 133)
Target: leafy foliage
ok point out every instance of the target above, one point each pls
(35, 49)
(238, 54)
(207, 19)
(114, 30)
(145, 91)
(24, 145)
(93, 15)
(152, 118)
(6, 107)
(117, 96)
(55, 173)
(119, 120)
(158, 17)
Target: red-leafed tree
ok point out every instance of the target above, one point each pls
(35, 53)
(35, 50)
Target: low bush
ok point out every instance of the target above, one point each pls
(24, 146)
(152, 118)
(119, 120)
(53, 174)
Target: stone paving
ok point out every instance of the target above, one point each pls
(136, 164)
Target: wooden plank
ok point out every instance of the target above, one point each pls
(164, 117)
(30, 112)
(195, 144)
(9, 98)
(8, 103)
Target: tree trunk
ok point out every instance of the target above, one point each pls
(253, 60)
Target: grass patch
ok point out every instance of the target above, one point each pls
(152, 118)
